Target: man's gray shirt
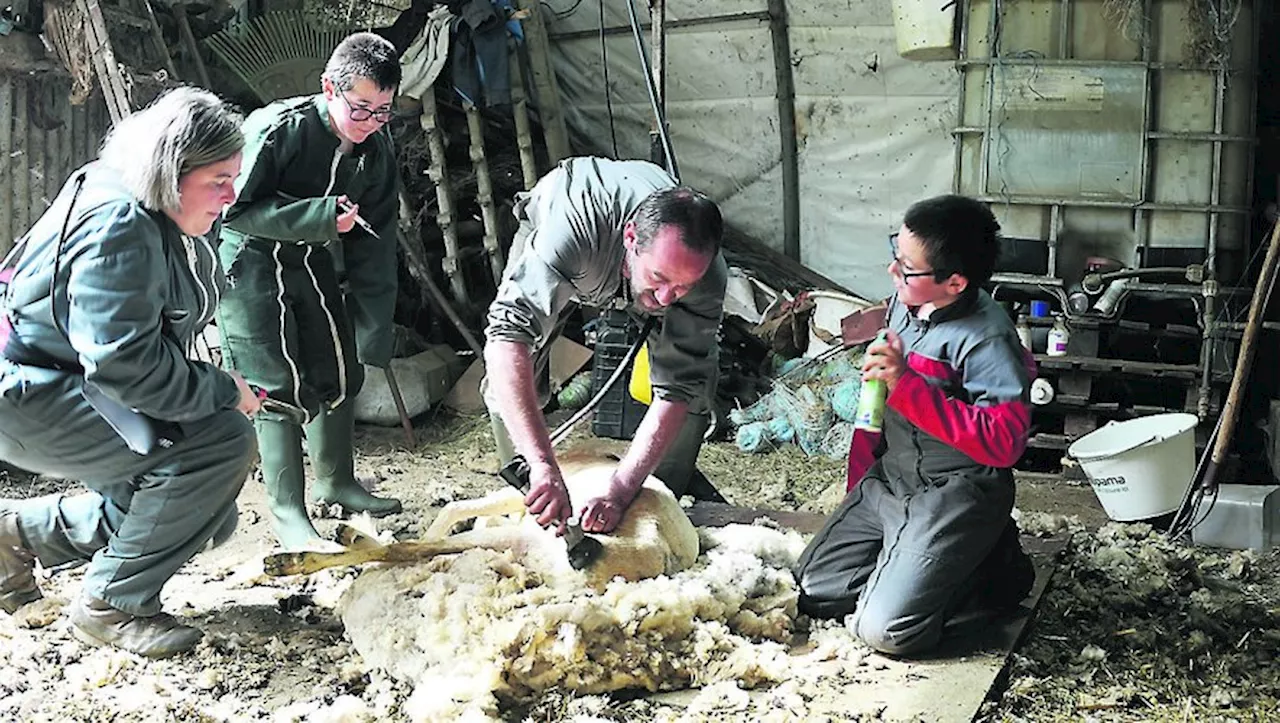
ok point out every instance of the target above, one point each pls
(574, 251)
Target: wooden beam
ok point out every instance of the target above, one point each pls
(484, 192)
(17, 160)
(8, 232)
(658, 51)
(520, 113)
(157, 37)
(189, 40)
(719, 514)
(550, 111)
(416, 259)
(438, 173)
(788, 146)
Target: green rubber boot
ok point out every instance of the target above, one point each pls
(280, 447)
(330, 439)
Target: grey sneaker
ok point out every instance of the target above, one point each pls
(17, 567)
(157, 636)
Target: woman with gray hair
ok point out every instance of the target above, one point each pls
(104, 297)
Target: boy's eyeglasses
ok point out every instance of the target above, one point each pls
(906, 275)
(359, 113)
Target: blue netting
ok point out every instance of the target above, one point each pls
(780, 430)
(753, 437)
(844, 399)
(809, 405)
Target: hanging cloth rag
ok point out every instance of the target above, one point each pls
(423, 60)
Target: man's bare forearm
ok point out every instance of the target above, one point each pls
(509, 366)
(658, 430)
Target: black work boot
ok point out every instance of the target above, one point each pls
(330, 442)
(17, 566)
(96, 623)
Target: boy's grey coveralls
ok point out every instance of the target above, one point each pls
(570, 249)
(308, 305)
(927, 528)
(132, 292)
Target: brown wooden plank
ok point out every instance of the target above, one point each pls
(8, 231)
(79, 113)
(20, 195)
(66, 163)
(719, 514)
(35, 152)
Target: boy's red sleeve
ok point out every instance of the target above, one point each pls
(992, 428)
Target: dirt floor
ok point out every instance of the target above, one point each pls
(1132, 629)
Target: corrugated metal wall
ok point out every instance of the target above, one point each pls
(43, 138)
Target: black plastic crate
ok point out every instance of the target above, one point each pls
(618, 415)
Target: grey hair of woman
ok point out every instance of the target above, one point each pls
(180, 131)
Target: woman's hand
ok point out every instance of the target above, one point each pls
(249, 403)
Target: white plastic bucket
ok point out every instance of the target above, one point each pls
(925, 29)
(1142, 467)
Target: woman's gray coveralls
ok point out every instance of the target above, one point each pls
(132, 293)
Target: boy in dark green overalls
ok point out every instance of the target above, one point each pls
(310, 251)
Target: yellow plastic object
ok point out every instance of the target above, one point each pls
(640, 387)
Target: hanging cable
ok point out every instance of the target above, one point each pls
(658, 115)
(608, 92)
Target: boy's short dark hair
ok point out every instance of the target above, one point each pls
(697, 217)
(364, 55)
(959, 235)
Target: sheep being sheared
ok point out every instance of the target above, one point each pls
(508, 618)
(654, 538)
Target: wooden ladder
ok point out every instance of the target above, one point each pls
(142, 15)
(104, 61)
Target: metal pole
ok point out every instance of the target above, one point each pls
(653, 92)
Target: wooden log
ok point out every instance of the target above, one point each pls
(484, 192)
(189, 40)
(438, 173)
(157, 38)
(520, 113)
(407, 425)
(550, 111)
(416, 257)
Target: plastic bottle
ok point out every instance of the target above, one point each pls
(1058, 337)
(870, 415)
(1024, 332)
